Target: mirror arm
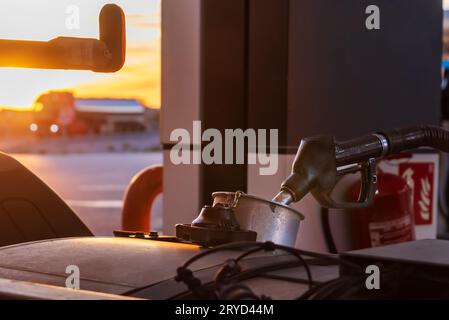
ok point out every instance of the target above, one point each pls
(59, 53)
(104, 55)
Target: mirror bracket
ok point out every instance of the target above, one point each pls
(104, 55)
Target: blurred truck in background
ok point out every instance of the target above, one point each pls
(62, 113)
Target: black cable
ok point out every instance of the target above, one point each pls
(325, 225)
(306, 266)
(194, 284)
(256, 272)
(228, 246)
(247, 244)
(248, 253)
(284, 265)
(288, 264)
(261, 271)
(246, 275)
(196, 287)
(271, 246)
(185, 275)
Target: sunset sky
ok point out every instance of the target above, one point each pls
(46, 19)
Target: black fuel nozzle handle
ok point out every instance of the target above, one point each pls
(319, 161)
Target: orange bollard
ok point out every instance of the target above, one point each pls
(142, 191)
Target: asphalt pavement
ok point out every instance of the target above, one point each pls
(93, 184)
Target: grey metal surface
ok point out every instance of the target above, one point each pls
(118, 265)
(425, 252)
(112, 265)
(272, 221)
(346, 80)
(21, 290)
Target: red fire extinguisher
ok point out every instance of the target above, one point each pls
(389, 219)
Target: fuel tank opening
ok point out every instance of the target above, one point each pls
(214, 226)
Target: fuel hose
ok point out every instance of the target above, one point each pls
(390, 142)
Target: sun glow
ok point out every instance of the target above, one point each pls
(46, 19)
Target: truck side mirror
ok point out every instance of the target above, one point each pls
(104, 55)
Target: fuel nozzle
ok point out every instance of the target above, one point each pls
(314, 167)
(284, 197)
(320, 160)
